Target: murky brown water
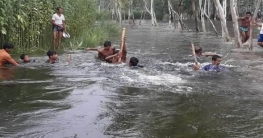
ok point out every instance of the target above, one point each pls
(166, 99)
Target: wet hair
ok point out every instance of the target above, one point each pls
(51, 53)
(8, 45)
(107, 43)
(134, 61)
(198, 49)
(23, 56)
(248, 13)
(215, 57)
(57, 9)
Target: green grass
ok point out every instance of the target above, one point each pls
(93, 36)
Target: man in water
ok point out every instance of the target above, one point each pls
(5, 57)
(25, 58)
(108, 50)
(215, 66)
(244, 27)
(53, 57)
(59, 26)
(120, 57)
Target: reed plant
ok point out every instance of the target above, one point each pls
(27, 23)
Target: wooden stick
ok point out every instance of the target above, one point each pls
(122, 38)
(122, 41)
(193, 50)
(69, 58)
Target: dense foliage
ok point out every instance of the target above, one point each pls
(27, 23)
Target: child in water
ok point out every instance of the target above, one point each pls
(53, 57)
(199, 50)
(25, 58)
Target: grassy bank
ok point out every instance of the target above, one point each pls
(28, 26)
(92, 36)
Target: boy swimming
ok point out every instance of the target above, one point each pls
(25, 58)
(53, 57)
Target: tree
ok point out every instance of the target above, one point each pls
(151, 12)
(195, 15)
(225, 34)
(235, 23)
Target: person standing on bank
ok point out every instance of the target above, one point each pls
(58, 26)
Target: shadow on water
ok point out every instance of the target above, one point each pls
(88, 98)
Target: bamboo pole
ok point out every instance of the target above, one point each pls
(193, 50)
(122, 42)
(68, 58)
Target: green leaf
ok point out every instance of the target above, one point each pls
(3, 31)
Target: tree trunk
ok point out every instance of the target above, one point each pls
(235, 24)
(120, 13)
(205, 7)
(131, 14)
(152, 13)
(99, 6)
(124, 16)
(116, 11)
(209, 9)
(195, 15)
(142, 16)
(175, 13)
(170, 15)
(202, 16)
(235, 3)
(224, 14)
(252, 25)
(226, 35)
(216, 12)
(211, 22)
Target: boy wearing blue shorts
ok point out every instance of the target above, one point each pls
(260, 38)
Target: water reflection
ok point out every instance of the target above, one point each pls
(6, 73)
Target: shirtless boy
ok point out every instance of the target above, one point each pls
(120, 57)
(5, 57)
(244, 27)
(108, 50)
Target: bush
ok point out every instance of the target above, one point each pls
(28, 26)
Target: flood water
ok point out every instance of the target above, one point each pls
(166, 99)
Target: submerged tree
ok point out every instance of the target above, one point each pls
(225, 34)
(238, 42)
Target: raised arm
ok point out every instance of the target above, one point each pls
(12, 61)
(240, 18)
(258, 24)
(209, 54)
(112, 56)
(93, 49)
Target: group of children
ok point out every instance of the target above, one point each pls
(111, 55)
(108, 54)
(6, 59)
